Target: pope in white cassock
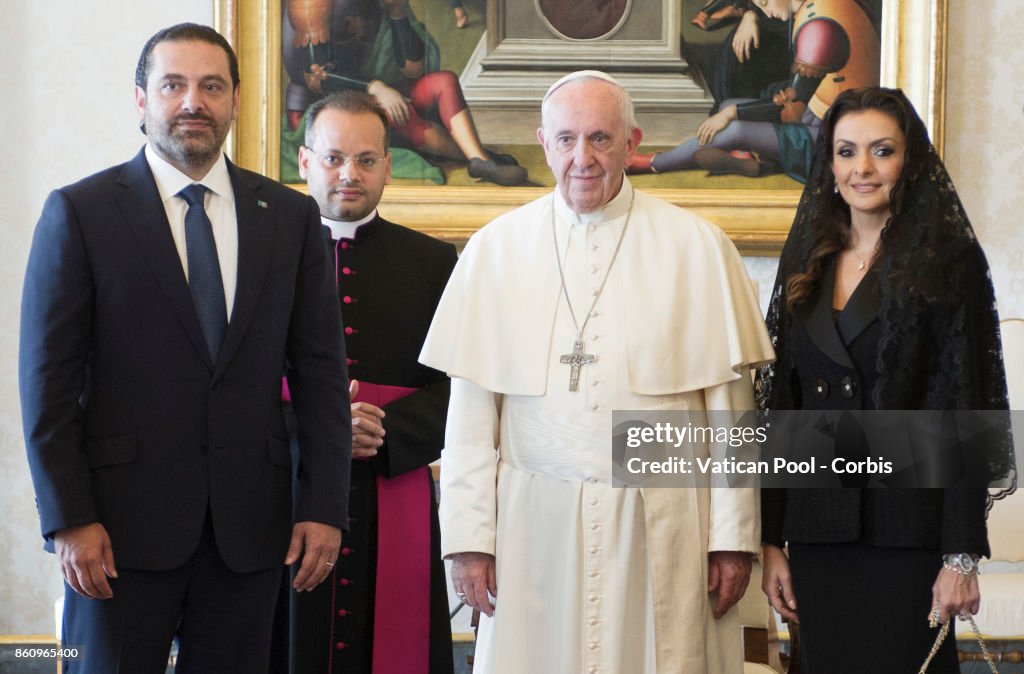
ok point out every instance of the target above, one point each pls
(593, 298)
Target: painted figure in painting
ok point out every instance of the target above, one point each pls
(835, 46)
(378, 46)
(461, 17)
(753, 55)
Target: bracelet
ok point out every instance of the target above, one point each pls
(964, 563)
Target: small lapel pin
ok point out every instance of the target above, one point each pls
(261, 203)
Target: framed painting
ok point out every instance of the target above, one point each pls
(501, 55)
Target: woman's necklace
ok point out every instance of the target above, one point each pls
(864, 262)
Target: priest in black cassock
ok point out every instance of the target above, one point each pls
(385, 610)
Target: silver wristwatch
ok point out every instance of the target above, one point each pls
(964, 563)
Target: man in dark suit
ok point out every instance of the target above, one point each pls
(163, 299)
(386, 608)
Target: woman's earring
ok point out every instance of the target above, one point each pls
(835, 188)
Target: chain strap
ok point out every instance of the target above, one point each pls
(944, 632)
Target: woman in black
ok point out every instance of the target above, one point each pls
(883, 301)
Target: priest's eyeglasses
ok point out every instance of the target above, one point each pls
(333, 161)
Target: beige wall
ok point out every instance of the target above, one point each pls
(984, 136)
(68, 112)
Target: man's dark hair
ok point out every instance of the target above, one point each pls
(355, 102)
(181, 32)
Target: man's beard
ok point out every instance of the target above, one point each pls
(192, 148)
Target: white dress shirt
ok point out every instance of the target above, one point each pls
(220, 208)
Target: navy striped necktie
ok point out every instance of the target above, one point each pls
(204, 278)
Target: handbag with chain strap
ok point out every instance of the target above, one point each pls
(944, 632)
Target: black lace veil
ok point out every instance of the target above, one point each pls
(940, 347)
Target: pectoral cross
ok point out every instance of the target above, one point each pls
(575, 360)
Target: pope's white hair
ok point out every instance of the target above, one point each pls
(625, 101)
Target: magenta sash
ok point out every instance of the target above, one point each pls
(401, 624)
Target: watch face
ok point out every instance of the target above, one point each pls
(964, 561)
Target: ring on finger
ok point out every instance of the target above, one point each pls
(461, 596)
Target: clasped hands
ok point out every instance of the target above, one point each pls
(367, 426)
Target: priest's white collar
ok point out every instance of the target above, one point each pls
(614, 209)
(346, 230)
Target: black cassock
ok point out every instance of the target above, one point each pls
(390, 279)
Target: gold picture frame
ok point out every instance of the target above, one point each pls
(913, 58)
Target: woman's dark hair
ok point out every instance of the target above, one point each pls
(831, 227)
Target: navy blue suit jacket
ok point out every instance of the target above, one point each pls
(129, 423)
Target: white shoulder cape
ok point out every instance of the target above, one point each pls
(695, 322)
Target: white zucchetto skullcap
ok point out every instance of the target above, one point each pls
(579, 75)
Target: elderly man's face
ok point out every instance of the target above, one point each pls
(586, 142)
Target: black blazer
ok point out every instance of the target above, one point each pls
(834, 368)
(128, 422)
